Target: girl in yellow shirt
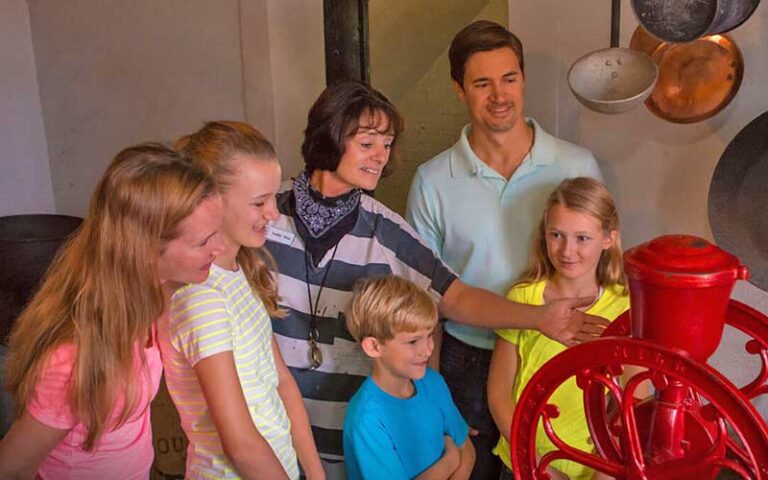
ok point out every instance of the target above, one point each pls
(576, 253)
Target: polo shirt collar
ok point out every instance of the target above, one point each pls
(464, 162)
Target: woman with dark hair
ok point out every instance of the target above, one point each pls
(330, 233)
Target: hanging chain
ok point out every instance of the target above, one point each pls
(315, 355)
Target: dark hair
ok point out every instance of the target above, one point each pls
(335, 116)
(481, 36)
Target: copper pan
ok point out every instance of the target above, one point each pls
(696, 79)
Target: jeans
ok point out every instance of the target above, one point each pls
(506, 473)
(465, 369)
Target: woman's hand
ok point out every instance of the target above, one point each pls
(561, 321)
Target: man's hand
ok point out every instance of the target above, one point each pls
(562, 322)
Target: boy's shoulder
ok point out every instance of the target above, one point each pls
(433, 386)
(362, 405)
(432, 380)
(370, 403)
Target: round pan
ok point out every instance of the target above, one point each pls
(696, 79)
(612, 80)
(738, 197)
(685, 20)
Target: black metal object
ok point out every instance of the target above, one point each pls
(686, 20)
(615, 22)
(738, 197)
(346, 41)
(28, 243)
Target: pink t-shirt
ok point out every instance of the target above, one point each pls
(125, 453)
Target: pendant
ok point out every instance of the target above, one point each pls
(315, 356)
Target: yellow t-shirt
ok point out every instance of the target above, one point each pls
(534, 350)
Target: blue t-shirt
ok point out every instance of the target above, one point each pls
(391, 438)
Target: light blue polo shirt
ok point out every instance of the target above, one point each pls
(482, 225)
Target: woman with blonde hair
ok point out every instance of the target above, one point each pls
(84, 363)
(239, 405)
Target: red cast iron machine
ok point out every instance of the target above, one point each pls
(697, 424)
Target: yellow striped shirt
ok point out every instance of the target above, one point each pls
(223, 314)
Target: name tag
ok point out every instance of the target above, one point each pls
(279, 235)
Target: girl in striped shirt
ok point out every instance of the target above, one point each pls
(239, 405)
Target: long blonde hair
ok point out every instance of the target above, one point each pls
(214, 148)
(591, 197)
(101, 294)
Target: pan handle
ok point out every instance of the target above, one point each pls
(615, 21)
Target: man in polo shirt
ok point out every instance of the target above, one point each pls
(479, 202)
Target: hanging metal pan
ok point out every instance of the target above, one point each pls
(685, 20)
(738, 198)
(613, 80)
(696, 79)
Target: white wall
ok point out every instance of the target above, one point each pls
(297, 52)
(25, 179)
(284, 64)
(659, 171)
(115, 73)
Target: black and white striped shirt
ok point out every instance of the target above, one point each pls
(380, 243)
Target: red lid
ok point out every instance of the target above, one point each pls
(683, 261)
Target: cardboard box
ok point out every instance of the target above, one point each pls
(168, 438)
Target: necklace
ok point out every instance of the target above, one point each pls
(315, 356)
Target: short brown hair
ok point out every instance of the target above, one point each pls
(384, 306)
(481, 36)
(335, 116)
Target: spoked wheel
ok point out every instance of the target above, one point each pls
(627, 446)
(749, 321)
(755, 325)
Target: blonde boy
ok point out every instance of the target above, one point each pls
(402, 422)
